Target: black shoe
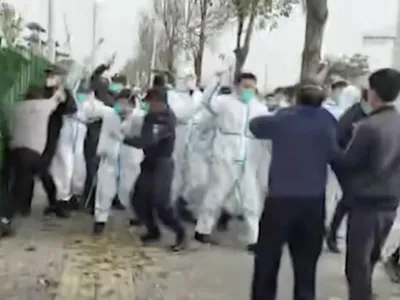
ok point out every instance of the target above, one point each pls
(252, 248)
(331, 242)
(204, 239)
(98, 228)
(223, 221)
(180, 242)
(5, 228)
(73, 203)
(150, 237)
(134, 223)
(59, 209)
(117, 205)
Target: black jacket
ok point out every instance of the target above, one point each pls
(372, 161)
(346, 124)
(157, 137)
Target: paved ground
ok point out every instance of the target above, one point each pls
(53, 259)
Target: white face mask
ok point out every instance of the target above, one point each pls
(365, 107)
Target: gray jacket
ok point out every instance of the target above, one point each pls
(372, 160)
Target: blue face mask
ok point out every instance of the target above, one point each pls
(115, 87)
(145, 106)
(246, 95)
(80, 97)
(117, 108)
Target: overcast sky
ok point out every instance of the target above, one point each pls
(276, 53)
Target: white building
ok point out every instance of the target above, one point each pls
(280, 51)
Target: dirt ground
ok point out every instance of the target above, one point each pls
(59, 259)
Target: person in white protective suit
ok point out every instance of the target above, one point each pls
(119, 163)
(191, 97)
(195, 172)
(235, 163)
(67, 166)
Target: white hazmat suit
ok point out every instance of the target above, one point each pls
(185, 107)
(235, 164)
(119, 164)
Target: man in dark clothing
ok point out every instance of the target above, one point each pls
(303, 144)
(372, 159)
(152, 192)
(29, 140)
(354, 114)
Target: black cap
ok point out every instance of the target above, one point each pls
(156, 94)
(55, 70)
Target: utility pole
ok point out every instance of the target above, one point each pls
(153, 53)
(94, 33)
(51, 55)
(396, 42)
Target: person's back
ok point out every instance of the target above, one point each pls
(308, 132)
(30, 120)
(303, 144)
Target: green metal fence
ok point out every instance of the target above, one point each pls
(18, 74)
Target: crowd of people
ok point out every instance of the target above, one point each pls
(207, 156)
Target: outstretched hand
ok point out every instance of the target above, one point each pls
(111, 60)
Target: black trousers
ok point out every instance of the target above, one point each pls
(26, 164)
(299, 223)
(367, 230)
(92, 164)
(340, 212)
(152, 196)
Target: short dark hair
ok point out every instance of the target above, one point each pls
(339, 84)
(311, 94)
(385, 83)
(364, 94)
(156, 94)
(289, 91)
(125, 93)
(159, 80)
(278, 90)
(244, 76)
(119, 78)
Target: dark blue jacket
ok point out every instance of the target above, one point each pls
(303, 144)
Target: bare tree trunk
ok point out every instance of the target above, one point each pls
(317, 14)
(242, 51)
(198, 59)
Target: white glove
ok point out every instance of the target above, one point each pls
(59, 95)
